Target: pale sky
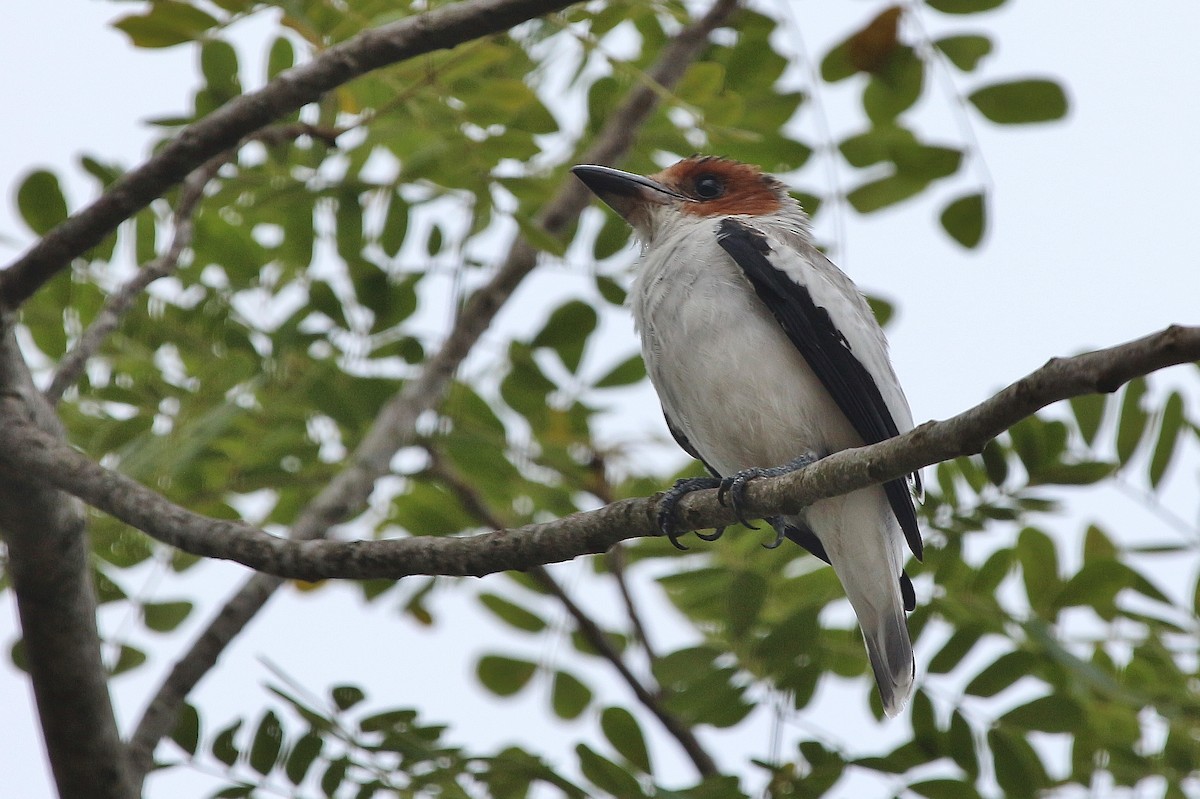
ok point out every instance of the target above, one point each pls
(1089, 244)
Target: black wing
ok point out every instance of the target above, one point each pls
(827, 352)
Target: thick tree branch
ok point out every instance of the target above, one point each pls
(31, 453)
(442, 28)
(49, 563)
(395, 425)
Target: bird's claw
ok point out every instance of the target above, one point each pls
(734, 487)
(666, 507)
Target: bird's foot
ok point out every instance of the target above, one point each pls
(666, 507)
(734, 487)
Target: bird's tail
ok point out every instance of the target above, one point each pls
(865, 552)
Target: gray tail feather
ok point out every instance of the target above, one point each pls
(890, 651)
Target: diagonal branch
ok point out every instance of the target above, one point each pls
(27, 451)
(191, 193)
(474, 503)
(117, 305)
(439, 29)
(395, 425)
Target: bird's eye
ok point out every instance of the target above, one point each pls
(709, 187)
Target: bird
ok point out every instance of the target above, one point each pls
(766, 357)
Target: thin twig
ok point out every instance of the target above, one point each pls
(615, 559)
(191, 192)
(616, 566)
(118, 304)
(474, 503)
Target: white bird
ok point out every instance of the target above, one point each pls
(765, 357)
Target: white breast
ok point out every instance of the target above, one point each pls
(727, 375)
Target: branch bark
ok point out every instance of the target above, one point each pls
(395, 425)
(49, 563)
(28, 451)
(439, 29)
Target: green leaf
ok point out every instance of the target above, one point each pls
(1168, 437)
(1039, 565)
(567, 330)
(346, 696)
(877, 194)
(163, 617)
(963, 6)
(569, 696)
(512, 613)
(167, 23)
(965, 219)
(896, 87)
(1097, 545)
(1018, 769)
(268, 740)
(836, 64)
(627, 372)
(1001, 673)
(960, 643)
(223, 747)
(882, 310)
(926, 161)
(1131, 424)
(128, 658)
(1089, 413)
(1021, 102)
(995, 462)
(187, 729)
(964, 52)
(537, 236)
(959, 742)
(301, 758)
(219, 64)
(607, 775)
(622, 731)
(41, 202)
(334, 776)
(610, 290)
(504, 676)
(944, 789)
(747, 594)
(613, 237)
(282, 56)
(924, 725)
(1053, 713)
(1073, 474)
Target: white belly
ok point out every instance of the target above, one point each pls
(727, 375)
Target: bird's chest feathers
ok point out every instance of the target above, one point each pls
(719, 360)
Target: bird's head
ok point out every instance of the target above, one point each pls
(696, 187)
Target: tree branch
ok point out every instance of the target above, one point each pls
(442, 28)
(161, 713)
(50, 566)
(474, 503)
(395, 425)
(27, 451)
